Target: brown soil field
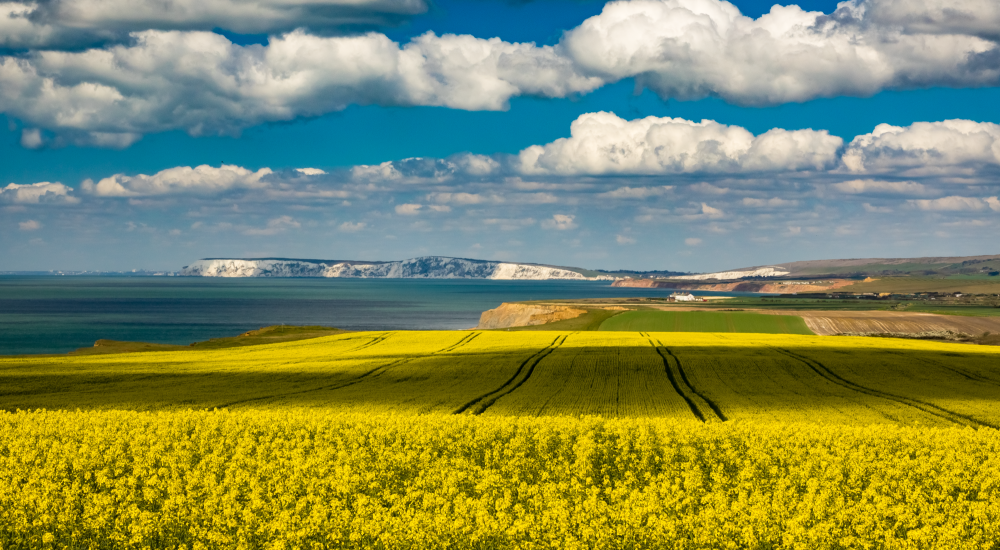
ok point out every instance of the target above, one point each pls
(837, 322)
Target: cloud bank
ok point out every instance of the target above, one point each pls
(162, 75)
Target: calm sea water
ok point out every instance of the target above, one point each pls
(51, 314)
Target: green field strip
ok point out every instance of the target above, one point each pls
(705, 321)
(484, 401)
(340, 385)
(660, 348)
(929, 408)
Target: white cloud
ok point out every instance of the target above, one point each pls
(635, 192)
(29, 225)
(973, 17)
(689, 49)
(603, 143)
(711, 212)
(692, 241)
(203, 83)
(79, 22)
(352, 227)
(957, 204)
(925, 147)
(310, 171)
(774, 202)
(161, 70)
(460, 198)
(476, 165)
(275, 226)
(202, 179)
(857, 187)
(622, 239)
(560, 222)
(35, 193)
(31, 138)
(408, 209)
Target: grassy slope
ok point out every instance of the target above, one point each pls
(706, 321)
(615, 374)
(588, 321)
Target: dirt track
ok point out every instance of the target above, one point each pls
(836, 322)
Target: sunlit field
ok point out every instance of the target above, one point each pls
(500, 440)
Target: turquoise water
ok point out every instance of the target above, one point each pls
(51, 314)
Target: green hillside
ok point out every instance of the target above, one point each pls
(706, 321)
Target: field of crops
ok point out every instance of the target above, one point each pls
(507, 440)
(706, 321)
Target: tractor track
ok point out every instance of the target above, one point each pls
(660, 349)
(487, 400)
(923, 406)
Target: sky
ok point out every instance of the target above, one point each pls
(689, 135)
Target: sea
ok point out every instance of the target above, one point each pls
(57, 314)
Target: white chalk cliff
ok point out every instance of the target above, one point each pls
(430, 267)
(730, 275)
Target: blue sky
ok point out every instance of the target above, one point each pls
(918, 190)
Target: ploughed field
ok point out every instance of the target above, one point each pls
(507, 439)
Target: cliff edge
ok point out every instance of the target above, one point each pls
(526, 315)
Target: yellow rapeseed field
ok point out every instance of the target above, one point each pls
(507, 440)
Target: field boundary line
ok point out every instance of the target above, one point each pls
(487, 400)
(928, 408)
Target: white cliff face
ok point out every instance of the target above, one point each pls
(431, 267)
(727, 275)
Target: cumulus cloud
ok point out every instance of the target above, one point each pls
(623, 239)
(461, 198)
(352, 227)
(711, 212)
(35, 193)
(690, 49)
(560, 222)
(68, 23)
(202, 179)
(203, 83)
(774, 202)
(867, 186)
(958, 204)
(603, 143)
(972, 17)
(310, 171)
(163, 73)
(29, 225)
(409, 209)
(925, 147)
(692, 241)
(635, 192)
